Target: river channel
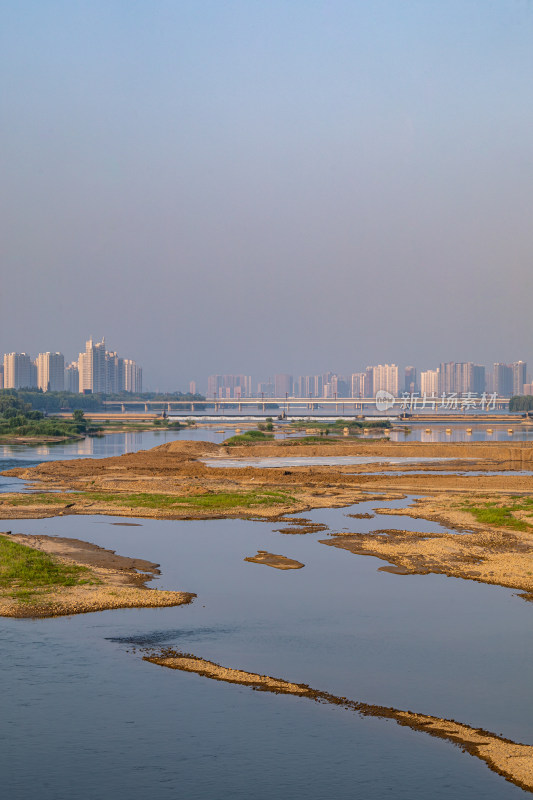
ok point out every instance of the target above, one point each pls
(84, 716)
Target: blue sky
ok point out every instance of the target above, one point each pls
(267, 186)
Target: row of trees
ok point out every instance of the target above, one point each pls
(52, 402)
(521, 403)
(18, 418)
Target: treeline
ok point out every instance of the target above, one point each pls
(18, 418)
(520, 402)
(52, 402)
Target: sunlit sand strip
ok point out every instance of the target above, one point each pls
(511, 760)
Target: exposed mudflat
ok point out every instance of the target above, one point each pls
(189, 490)
(511, 760)
(175, 469)
(274, 560)
(118, 582)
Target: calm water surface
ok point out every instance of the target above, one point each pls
(82, 715)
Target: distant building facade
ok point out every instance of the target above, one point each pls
(19, 371)
(461, 377)
(50, 372)
(384, 377)
(133, 377)
(429, 382)
(519, 376)
(410, 383)
(229, 386)
(72, 378)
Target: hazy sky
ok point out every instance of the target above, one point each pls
(262, 186)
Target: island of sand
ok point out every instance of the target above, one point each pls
(47, 576)
(511, 760)
(274, 560)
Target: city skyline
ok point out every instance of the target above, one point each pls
(448, 377)
(96, 370)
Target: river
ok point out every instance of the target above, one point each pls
(83, 715)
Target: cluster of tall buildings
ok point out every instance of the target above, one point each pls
(95, 371)
(329, 384)
(461, 377)
(448, 378)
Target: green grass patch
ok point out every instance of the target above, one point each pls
(39, 499)
(354, 426)
(215, 501)
(500, 516)
(250, 437)
(25, 571)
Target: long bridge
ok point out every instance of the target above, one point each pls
(308, 406)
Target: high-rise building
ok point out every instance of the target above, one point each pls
(410, 381)
(229, 386)
(502, 379)
(461, 377)
(192, 387)
(1, 376)
(384, 376)
(447, 380)
(369, 381)
(282, 385)
(92, 368)
(50, 372)
(72, 378)
(429, 382)
(133, 377)
(115, 375)
(358, 384)
(479, 379)
(19, 371)
(519, 376)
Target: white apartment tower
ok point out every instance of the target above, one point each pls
(93, 368)
(133, 377)
(50, 372)
(385, 376)
(429, 382)
(19, 371)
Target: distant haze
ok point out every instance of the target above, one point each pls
(260, 187)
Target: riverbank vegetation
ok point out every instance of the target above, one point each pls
(19, 420)
(521, 403)
(250, 437)
(25, 572)
(54, 402)
(502, 513)
(353, 426)
(211, 501)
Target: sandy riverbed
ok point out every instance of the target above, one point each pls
(488, 554)
(119, 582)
